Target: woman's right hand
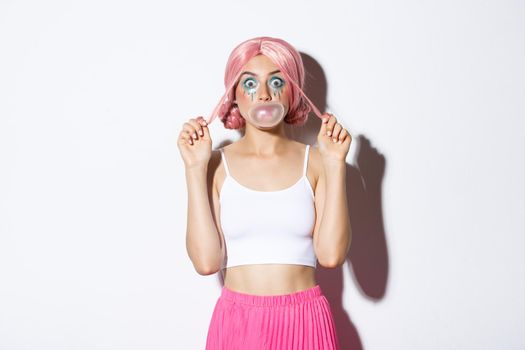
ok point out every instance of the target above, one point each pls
(195, 151)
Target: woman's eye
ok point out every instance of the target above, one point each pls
(250, 84)
(276, 82)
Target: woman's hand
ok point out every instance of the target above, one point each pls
(331, 130)
(195, 143)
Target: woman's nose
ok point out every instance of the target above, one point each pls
(264, 95)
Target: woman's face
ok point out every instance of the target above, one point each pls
(261, 81)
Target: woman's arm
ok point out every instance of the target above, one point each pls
(332, 233)
(204, 243)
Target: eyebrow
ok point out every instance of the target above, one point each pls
(246, 72)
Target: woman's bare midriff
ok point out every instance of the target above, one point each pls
(269, 279)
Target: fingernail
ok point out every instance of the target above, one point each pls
(329, 133)
(194, 135)
(340, 141)
(201, 133)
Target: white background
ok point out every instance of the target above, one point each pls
(93, 192)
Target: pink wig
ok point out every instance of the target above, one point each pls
(289, 61)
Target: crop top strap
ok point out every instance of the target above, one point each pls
(224, 161)
(306, 159)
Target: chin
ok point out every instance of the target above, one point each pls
(269, 127)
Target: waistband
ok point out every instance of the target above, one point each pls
(272, 300)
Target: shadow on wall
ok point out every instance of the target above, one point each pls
(368, 255)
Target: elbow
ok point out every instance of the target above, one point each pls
(333, 263)
(205, 264)
(335, 259)
(206, 270)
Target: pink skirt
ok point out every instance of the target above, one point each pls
(301, 320)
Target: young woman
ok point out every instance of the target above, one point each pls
(264, 209)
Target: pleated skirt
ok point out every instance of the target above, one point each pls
(298, 321)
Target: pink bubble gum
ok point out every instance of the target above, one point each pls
(267, 112)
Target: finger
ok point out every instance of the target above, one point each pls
(206, 133)
(325, 118)
(348, 138)
(184, 135)
(330, 125)
(342, 135)
(195, 122)
(192, 127)
(335, 132)
(203, 124)
(182, 140)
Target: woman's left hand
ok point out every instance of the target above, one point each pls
(331, 130)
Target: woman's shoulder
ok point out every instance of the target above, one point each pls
(315, 161)
(228, 148)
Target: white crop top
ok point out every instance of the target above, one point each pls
(268, 227)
